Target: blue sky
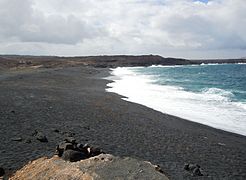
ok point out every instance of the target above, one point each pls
(205, 1)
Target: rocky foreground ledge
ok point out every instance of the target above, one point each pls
(75, 161)
(103, 166)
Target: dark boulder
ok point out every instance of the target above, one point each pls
(71, 151)
(94, 151)
(58, 151)
(79, 146)
(83, 148)
(65, 146)
(73, 156)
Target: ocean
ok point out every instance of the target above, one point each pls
(210, 94)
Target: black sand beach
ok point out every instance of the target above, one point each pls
(73, 100)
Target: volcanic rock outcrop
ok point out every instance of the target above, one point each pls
(103, 166)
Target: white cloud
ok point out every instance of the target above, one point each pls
(184, 28)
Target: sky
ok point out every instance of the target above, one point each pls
(171, 28)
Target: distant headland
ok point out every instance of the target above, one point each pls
(105, 61)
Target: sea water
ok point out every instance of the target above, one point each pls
(213, 94)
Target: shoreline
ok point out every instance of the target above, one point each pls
(120, 80)
(74, 99)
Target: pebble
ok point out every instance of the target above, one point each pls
(56, 130)
(158, 168)
(194, 169)
(12, 111)
(40, 136)
(221, 144)
(197, 172)
(28, 141)
(16, 139)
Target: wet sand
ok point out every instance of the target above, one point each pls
(73, 100)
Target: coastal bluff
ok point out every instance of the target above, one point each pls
(103, 166)
(20, 62)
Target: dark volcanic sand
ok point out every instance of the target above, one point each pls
(74, 99)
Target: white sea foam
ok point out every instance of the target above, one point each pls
(213, 64)
(212, 107)
(166, 66)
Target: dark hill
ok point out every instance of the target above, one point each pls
(16, 61)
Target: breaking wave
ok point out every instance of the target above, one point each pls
(211, 106)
